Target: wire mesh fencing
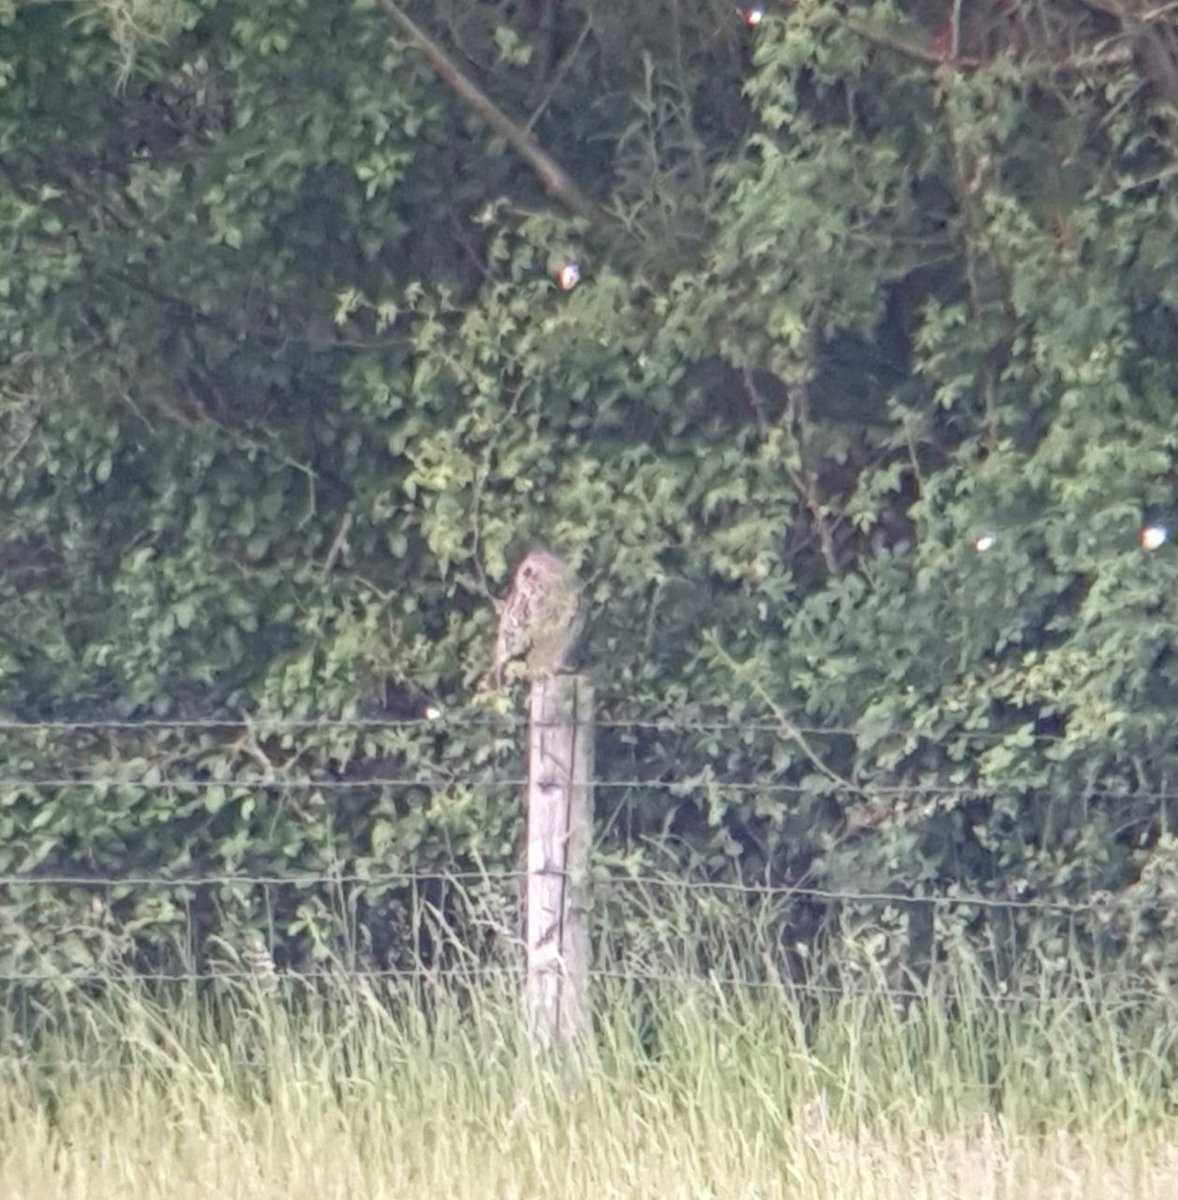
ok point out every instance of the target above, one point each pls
(234, 909)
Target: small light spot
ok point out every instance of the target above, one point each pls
(753, 16)
(432, 712)
(568, 277)
(1153, 536)
(984, 542)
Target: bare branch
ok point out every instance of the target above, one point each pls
(558, 76)
(553, 176)
(905, 48)
(337, 545)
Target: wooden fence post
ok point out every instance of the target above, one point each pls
(559, 818)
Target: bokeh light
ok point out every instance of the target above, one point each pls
(1153, 536)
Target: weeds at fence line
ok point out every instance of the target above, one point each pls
(643, 925)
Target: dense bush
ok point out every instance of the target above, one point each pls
(289, 386)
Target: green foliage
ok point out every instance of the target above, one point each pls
(289, 387)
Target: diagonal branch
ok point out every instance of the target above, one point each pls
(562, 69)
(903, 47)
(555, 179)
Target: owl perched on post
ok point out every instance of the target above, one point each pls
(541, 618)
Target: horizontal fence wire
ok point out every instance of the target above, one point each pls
(293, 879)
(1097, 902)
(264, 977)
(822, 786)
(855, 984)
(459, 719)
(269, 982)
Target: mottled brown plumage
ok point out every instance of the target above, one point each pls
(541, 618)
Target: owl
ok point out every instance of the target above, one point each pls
(541, 618)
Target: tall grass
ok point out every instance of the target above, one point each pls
(690, 1087)
(687, 1090)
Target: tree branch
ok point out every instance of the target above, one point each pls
(553, 176)
(878, 37)
(558, 75)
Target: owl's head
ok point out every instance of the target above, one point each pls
(538, 566)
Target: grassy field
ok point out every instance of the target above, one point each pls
(689, 1090)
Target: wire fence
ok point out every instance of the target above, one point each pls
(149, 780)
(869, 989)
(434, 717)
(258, 771)
(601, 880)
(1090, 911)
(1124, 991)
(674, 787)
(748, 913)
